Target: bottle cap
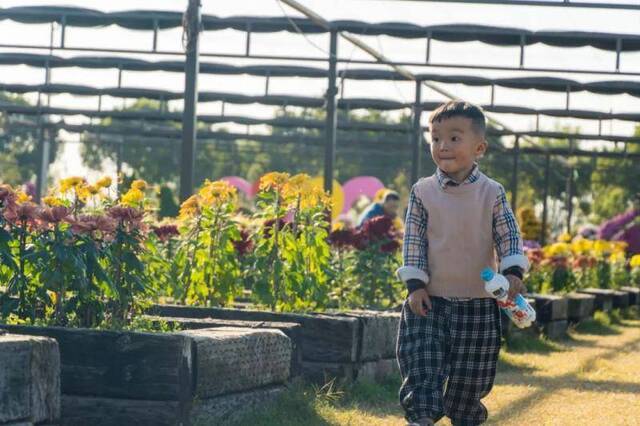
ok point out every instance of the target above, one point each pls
(487, 274)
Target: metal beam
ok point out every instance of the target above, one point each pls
(544, 3)
(189, 123)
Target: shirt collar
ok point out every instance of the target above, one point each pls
(444, 179)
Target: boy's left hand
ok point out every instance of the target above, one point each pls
(516, 286)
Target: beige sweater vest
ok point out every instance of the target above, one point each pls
(460, 235)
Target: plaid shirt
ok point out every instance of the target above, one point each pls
(506, 234)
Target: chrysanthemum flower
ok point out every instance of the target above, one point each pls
(190, 207)
(273, 181)
(139, 184)
(104, 182)
(53, 215)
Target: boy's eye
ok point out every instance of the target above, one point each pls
(455, 139)
(435, 140)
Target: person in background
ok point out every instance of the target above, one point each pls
(387, 206)
(624, 227)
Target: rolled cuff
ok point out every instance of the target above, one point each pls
(406, 273)
(515, 260)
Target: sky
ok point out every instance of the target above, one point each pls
(422, 13)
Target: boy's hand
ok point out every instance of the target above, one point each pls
(417, 301)
(515, 286)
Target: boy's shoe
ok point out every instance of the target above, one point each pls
(422, 422)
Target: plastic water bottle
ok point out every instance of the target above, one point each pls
(518, 309)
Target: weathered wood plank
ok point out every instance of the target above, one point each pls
(604, 298)
(146, 366)
(379, 332)
(324, 338)
(379, 370)
(620, 299)
(237, 359)
(291, 329)
(550, 307)
(634, 295)
(94, 411)
(226, 409)
(29, 379)
(581, 306)
(556, 330)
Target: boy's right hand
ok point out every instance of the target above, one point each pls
(419, 302)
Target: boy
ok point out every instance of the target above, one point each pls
(450, 327)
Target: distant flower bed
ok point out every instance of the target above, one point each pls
(571, 264)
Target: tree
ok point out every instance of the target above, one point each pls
(19, 136)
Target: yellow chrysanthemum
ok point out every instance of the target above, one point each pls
(139, 184)
(635, 261)
(23, 197)
(93, 189)
(581, 246)
(337, 226)
(617, 257)
(190, 207)
(104, 182)
(564, 237)
(273, 180)
(52, 201)
(217, 192)
(133, 197)
(557, 249)
(82, 192)
(71, 183)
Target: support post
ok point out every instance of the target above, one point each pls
(545, 198)
(189, 127)
(514, 176)
(416, 135)
(331, 118)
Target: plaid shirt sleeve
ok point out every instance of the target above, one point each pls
(414, 249)
(506, 235)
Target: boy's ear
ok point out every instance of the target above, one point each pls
(481, 148)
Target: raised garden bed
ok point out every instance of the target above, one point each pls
(580, 306)
(29, 380)
(604, 298)
(115, 378)
(634, 295)
(332, 344)
(620, 299)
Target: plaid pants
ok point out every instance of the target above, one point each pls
(457, 342)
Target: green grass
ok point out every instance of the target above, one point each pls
(526, 343)
(304, 404)
(601, 324)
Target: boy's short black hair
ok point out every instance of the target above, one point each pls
(460, 109)
(390, 196)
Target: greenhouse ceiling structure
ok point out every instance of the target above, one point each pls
(335, 69)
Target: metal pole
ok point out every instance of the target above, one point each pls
(189, 128)
(547, 168)
(44, 144)
(569, 198)
(44, 148)
(514, 176)
(416, 135)
(331, 118)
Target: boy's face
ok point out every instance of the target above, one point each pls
(390, 207)
(455, 146)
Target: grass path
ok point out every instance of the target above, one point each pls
(591, 378)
